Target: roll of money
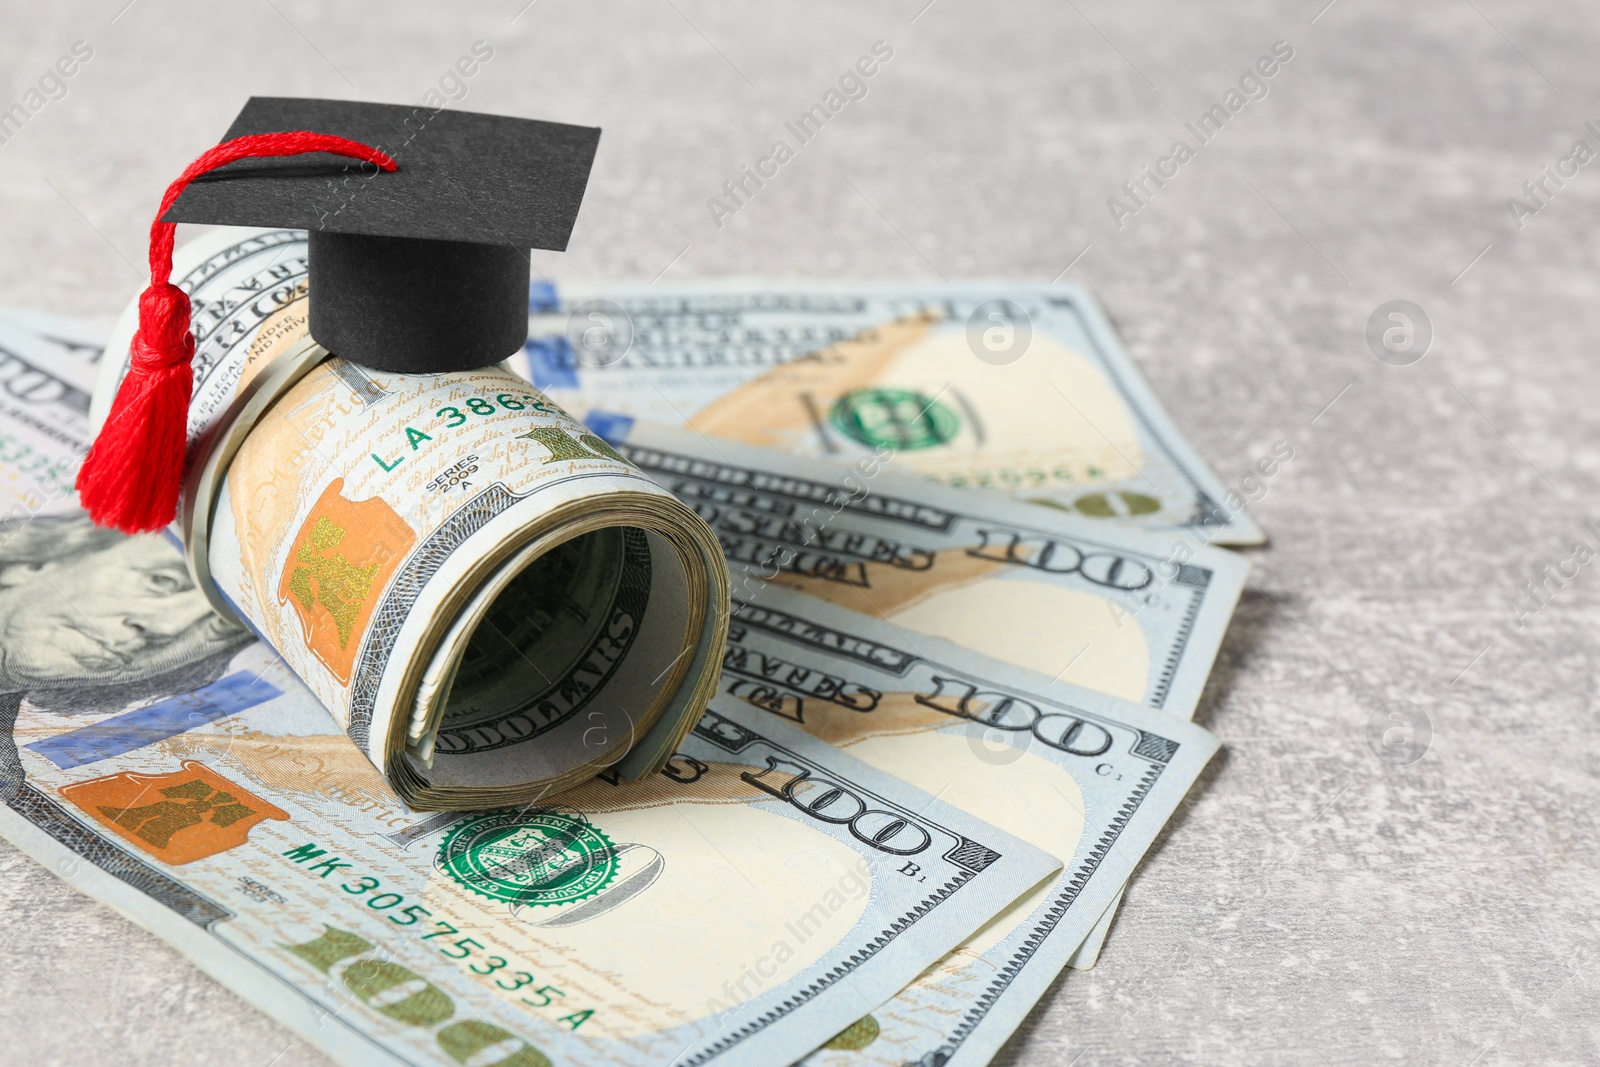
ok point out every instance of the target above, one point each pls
(490, 600)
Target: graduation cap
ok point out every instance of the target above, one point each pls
(418, 257)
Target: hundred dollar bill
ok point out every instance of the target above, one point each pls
(1020, 387)
(1133, 614)
(740, 906)
(489, 599)
(1089, 778)
(44, 422)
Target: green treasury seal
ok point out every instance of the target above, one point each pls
(894, 418)
(529, 857)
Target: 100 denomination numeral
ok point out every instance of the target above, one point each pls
(833, 802)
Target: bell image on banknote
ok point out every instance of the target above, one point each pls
(491, 601)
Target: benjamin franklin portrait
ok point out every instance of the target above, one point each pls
(92, 621)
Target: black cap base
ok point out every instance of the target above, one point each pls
(413, 306)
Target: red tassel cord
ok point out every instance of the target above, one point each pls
(134, 471)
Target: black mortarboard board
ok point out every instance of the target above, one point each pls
(424, 269)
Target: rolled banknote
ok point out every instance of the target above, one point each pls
(1018, 387)
(739, 907)
(490, 600)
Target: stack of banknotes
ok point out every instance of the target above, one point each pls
(976, 595)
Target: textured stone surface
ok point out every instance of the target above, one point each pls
(1310, 905)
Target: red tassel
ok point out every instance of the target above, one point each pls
(134, 471)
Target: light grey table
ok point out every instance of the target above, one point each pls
(1311, 904)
